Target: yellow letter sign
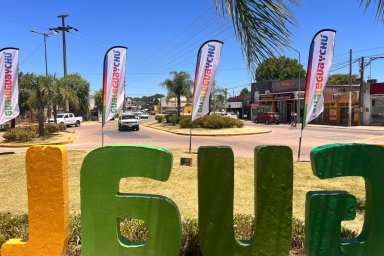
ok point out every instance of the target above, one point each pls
(47, 178)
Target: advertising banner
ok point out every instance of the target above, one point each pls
(113, 82)
(319, 66)
(9, 85)
(208, 60)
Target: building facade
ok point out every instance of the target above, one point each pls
(287, 96)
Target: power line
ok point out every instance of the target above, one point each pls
(32, 53)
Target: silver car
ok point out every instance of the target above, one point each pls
(128, 121)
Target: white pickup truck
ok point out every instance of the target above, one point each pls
(67, 119)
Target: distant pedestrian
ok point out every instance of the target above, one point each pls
(293, 120)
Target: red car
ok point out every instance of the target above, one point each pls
(268, 117)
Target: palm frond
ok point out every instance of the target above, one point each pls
(261, 26)
(379, 8)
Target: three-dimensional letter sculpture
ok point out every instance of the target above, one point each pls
(48, 212)
(103, 206)
(273, 202)
(325, 210)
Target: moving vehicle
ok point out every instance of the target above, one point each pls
(128, 121)
(268, 117)
(144, 115)
(67, 119)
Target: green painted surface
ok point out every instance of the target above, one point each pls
(273, 202)
(102, 205)
(325, 210)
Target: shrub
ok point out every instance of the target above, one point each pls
(172, 119)
(197, 123)
(62, 127)
(159, 118)
(20, 134)
(13, 226)
(185, 121)
(167, 117)
(51, 128)
(213, 122)
(16, 226)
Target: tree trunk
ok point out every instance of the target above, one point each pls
(13, 123)
(178, 105)
(40, 113)
(54, 112)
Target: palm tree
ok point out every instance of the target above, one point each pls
(98, 97)
(39, 88)
(76, 90)
(179, 85)
(262, 26)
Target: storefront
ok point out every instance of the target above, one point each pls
(336, 109)
(377, 103)
(283, 103)
(279, 96)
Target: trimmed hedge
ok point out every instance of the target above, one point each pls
(159, 118)
(28, 133)
(211, 122)
(20, 134)
(16, 226)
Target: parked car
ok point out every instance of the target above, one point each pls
(231, 115)
(67, 119)
(170, 111)
(268, 117)
(128, 121)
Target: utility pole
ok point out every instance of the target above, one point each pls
(64, 29)
(361, 93)
(350, 90)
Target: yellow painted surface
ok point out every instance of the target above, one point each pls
(187, 109)
(48, 212)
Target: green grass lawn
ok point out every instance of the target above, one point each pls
(181, 186)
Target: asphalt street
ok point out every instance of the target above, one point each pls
(90, 137)
(313, 136)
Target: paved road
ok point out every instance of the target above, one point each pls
(89, 137)
(313, 136)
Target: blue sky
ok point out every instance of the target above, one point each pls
(163, 36)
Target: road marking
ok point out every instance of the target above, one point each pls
(372, 138)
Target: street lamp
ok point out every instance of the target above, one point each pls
(64, 29)
(45, 46)
(298, 93)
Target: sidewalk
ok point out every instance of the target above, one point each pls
(359, 127)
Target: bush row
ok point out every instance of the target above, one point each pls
(27, 133)
(16, 226)
(207, 121)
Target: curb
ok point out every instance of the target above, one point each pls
(24, 145)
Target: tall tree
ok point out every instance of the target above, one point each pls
(341, 79)
(217, 97)
(39, 88)
(244, 91)
(262, 26)
(178, 85)
(281, 68)
(77, 92)
(98, 97)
